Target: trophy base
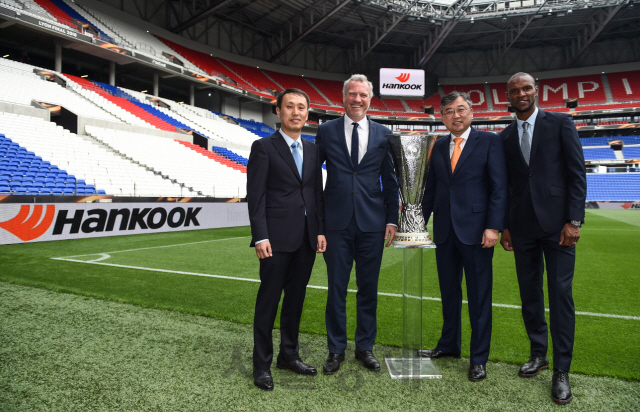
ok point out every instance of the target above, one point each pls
(411, 239)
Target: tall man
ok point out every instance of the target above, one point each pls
(359, 216)
(467, 192)
(547, 194)
(286, 211)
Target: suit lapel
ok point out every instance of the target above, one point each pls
(342, 138)
(538, 132)
(512, 144)
(444, 152)
(308, 158)
(284, 150)
(471, 143)
(372, 140)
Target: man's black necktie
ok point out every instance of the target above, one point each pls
(355, 142)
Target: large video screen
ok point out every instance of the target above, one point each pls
(401, 82)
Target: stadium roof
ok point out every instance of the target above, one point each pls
(415, 29)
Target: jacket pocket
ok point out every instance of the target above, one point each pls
(556, 191)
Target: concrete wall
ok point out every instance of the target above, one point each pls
(25, 110)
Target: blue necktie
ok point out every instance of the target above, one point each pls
(296, 157)
(355, 142)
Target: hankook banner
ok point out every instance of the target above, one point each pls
(401, 82)
(21, 223)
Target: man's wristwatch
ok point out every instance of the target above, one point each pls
(575, 223)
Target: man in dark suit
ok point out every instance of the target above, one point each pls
(286, 211)
(547, 194)
(467, 192)
(359, 216)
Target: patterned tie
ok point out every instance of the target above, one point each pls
(296, 157)
(355, 142)
(456, 153)
(525, 144)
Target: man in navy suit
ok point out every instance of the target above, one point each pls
(547, 195)
(286, 211)
(359, 215)
(467, 192)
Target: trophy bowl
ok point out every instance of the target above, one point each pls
(411, 153)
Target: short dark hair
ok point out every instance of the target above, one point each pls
(292, 91)
(452, 96)
(518, 75)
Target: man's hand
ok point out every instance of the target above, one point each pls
(390, 233)
(505, 240)
(489, 238)
(569, 235)
(263, 250)
(322, 244)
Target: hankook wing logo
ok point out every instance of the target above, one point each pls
(404, 77)
(27, 227)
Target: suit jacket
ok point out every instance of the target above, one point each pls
(277, 196)
(350, 189)
(555, 176)
(472, 198)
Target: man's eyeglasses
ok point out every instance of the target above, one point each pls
(460, 110)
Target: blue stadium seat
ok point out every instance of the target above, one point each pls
(102, 192)
(5, 190)
(19, 191)
(67, 191)
(56, 191)
(45, 191)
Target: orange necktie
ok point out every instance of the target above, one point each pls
(456, 153)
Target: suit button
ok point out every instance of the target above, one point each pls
(351, 192)
(530, 174)
(453, 187)
(355, 173)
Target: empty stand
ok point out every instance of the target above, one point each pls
(331, 89)
(416, 105)
(614, 187)
(601, 153)
(587, 89)
(288, 81)
(253, 75)
(21, 85)
(625, 86)
(209, 65)
(58, 14)
(173, 159)
(476, 94)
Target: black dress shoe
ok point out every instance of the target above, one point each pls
(297, 366)
(368, 360)
(435, 353)
(477, 373)
(262, 379)
(332, 364)
(534, 366)
(560, 387)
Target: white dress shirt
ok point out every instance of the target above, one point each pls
(363, 135)
(532, 121)
(452, 145)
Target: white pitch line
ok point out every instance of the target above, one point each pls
(395, 295)
(158, 247)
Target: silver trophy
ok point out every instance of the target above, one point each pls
(411, 156)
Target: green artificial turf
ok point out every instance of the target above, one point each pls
(141, 269)
(64, 352)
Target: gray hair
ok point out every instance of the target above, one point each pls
(518, 75)
(357, 78)
(452, 96)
